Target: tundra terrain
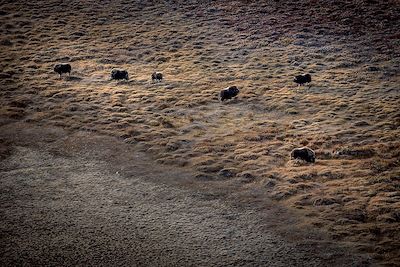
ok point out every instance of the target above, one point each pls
(349, 114)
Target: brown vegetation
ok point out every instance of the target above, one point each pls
(350, 115)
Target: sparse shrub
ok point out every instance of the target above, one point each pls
(5, 149)
(324, 201)
(227, 173)
(166, 123)
(6, 42)
(356, 215)
(269, 183)
(355, 152)
(324, 154)
(247, 177)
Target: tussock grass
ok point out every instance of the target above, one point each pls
(349, 115)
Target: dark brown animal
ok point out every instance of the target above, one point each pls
(156, 76)
(63, 68)
(303, 153)
(228, 93)
(117, 74)
(302, 79)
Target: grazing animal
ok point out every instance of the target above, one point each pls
(302, 79)
(229, 93)
(63, 68)
(156, 76)
(303, 153)
(117, 74)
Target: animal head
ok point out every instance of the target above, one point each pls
(311, 155)
(311, 158)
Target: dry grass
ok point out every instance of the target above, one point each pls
(350, 114)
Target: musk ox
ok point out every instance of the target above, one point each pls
(117, 74)
(228, 93)
(156, 76)
(303, 153)
(302, 79)
(63, 68)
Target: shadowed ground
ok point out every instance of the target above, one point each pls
(75, 207)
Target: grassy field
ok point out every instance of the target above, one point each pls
(349, 115)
